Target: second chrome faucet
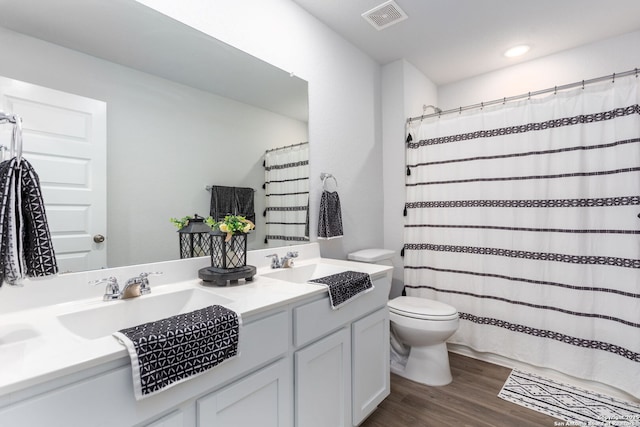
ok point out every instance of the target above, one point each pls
(284, 262)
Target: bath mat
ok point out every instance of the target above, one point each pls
(573, 405)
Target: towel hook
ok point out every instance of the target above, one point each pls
(16, 136)
(324, 176)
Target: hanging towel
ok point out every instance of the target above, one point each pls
(172, 350)
(344, 287)
(26, 248)
(330, 222)
(222, 202)
(243, 203)
(232, 201)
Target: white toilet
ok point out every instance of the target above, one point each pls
(421, 324)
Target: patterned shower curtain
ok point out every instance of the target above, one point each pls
(526, 218)
(287, 194)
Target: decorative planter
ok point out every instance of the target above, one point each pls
(194, 238)
(228, 255)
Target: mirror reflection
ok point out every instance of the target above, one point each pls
(182, 112)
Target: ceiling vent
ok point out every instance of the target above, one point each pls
(385, 15)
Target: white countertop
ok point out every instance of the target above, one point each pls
(35, 347)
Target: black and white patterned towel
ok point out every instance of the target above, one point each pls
(330, 218)
(26, 248)
(344, 287)
(172, 350)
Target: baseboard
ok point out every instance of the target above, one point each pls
(546, 372)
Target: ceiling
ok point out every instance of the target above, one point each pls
(450, 40)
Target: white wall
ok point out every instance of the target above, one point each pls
(404, 91)
(166, 142)
(344, 100)
(586, 62)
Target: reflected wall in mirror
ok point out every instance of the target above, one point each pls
(184, 111)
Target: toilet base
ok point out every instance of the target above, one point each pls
(428, 365)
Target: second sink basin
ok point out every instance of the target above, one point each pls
(304, 273)
(102, 320)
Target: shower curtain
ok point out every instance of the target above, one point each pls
(526, 218)
(287, 194)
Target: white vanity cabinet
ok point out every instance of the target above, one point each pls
(300, 364)
(341, 365)
(103, 396)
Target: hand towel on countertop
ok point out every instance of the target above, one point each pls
(172, 350)
(344, 287)
(330, 222)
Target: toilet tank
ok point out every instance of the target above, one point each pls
(373, 256)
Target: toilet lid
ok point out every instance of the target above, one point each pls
(422, 308)
(371, 255)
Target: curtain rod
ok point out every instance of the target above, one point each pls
(285, 147)
(527, 95)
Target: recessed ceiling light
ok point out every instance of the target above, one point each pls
(517, 51)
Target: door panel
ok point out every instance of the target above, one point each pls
(64, 138)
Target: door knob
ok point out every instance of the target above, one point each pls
(98, 238)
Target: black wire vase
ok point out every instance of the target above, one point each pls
(228, 255)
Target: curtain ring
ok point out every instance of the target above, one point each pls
(583, 84)
(613, 78)
(555, 90)
(460, 111)
(482, 105)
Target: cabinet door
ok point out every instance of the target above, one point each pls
(261, 399)
(174, 419)
(323, 382)
(370, 369)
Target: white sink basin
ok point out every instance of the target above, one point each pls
(101, 320)
(304, 273)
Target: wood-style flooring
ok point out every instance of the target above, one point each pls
(470, 400)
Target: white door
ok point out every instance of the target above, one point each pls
(64, 138)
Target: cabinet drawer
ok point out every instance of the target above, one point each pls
(316, 319)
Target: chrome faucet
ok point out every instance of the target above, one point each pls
(112, 291)
(284, 262)
(133, 287)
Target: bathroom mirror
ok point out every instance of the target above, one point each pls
(184, 110)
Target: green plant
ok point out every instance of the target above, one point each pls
(231, 224)
(182, 222)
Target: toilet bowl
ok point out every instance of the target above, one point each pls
(424, 326)
(419, 328)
